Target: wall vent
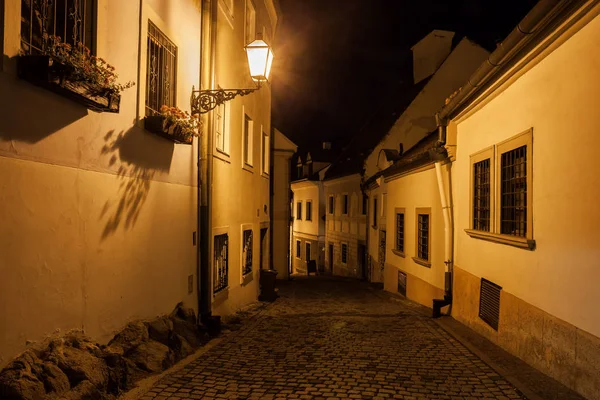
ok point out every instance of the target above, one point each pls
(402, 283)
(489, 303)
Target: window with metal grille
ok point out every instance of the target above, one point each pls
(400, 232)
(481, 195)
(489, 303)
(375, 212)
(247, 252)
(298, 248)
(248, 130)
(309, 211)
(331, 204)
(345, 204)
(221, 262)
(513, 192)
(344, 253)
(74, 21)
(299, 210)
(161, 71)
(423, 237)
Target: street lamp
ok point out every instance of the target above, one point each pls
(260, 60)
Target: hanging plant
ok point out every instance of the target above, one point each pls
(174, 124)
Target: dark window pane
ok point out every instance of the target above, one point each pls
(513, 192)
(481, 195)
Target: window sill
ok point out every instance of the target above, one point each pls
(248, 167)
(422, 262)
(221, 155)
(265, 175)
(398, 253)
(221, 295)
(522, 243)
(247, 278)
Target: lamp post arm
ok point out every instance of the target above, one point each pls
(203, 101)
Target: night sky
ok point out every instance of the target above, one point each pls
(338, 61)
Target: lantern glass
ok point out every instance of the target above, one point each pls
(260, 59)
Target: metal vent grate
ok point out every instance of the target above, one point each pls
(402, 283)
(489, 303)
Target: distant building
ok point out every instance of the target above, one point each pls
(308, 240)
(281, 221)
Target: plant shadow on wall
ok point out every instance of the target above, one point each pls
(140, 156)
(30, 114)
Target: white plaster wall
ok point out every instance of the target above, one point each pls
(240, 195)
(308, 191)
(418, 119)
(348, 185)
(558, 98)
(418, 190)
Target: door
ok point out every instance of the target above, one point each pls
(362, 262)
(331, 257)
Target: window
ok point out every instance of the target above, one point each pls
(365, 204)
(247, 252)
(307, 255)
(221, 272)
(513, 192)
(331, 204)
(345, 204)
(344, 253)
(250, 22)
(423, 237)
(308, 211)
(399, 246)
(500, 209)
(161, 68)
(265, 152)
(222, 127)
(299, 211)
(73, 20)
(247, 137)
(298, 249)
(481, 195)
(374, 211)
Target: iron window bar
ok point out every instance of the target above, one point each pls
(247, 267)
(72, 20)
(221, 263)
(513, 200)
(161, 77)
(400, 232)
(423, 244)
(481, 195)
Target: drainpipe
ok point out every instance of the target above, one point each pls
(205, 145)
(448, 229)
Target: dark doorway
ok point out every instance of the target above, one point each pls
(362, 260)
(330, 257)
(264, 249)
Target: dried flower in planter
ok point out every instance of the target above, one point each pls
(99, 76)
(180, 123)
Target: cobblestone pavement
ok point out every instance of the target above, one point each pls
(331, 339)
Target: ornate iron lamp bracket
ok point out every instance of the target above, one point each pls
(203, 101)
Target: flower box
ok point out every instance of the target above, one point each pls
(160, 126)
(46, 72)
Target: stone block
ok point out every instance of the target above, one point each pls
(531, 331)
(587, 365)
(508, 327)
(559, 343)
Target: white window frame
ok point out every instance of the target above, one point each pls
(247, 152)
(265, 159)
(299, 210)
(249, 22)
(306, 216)
(494, 153)
(222, 128)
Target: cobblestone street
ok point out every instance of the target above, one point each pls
(327, 339)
